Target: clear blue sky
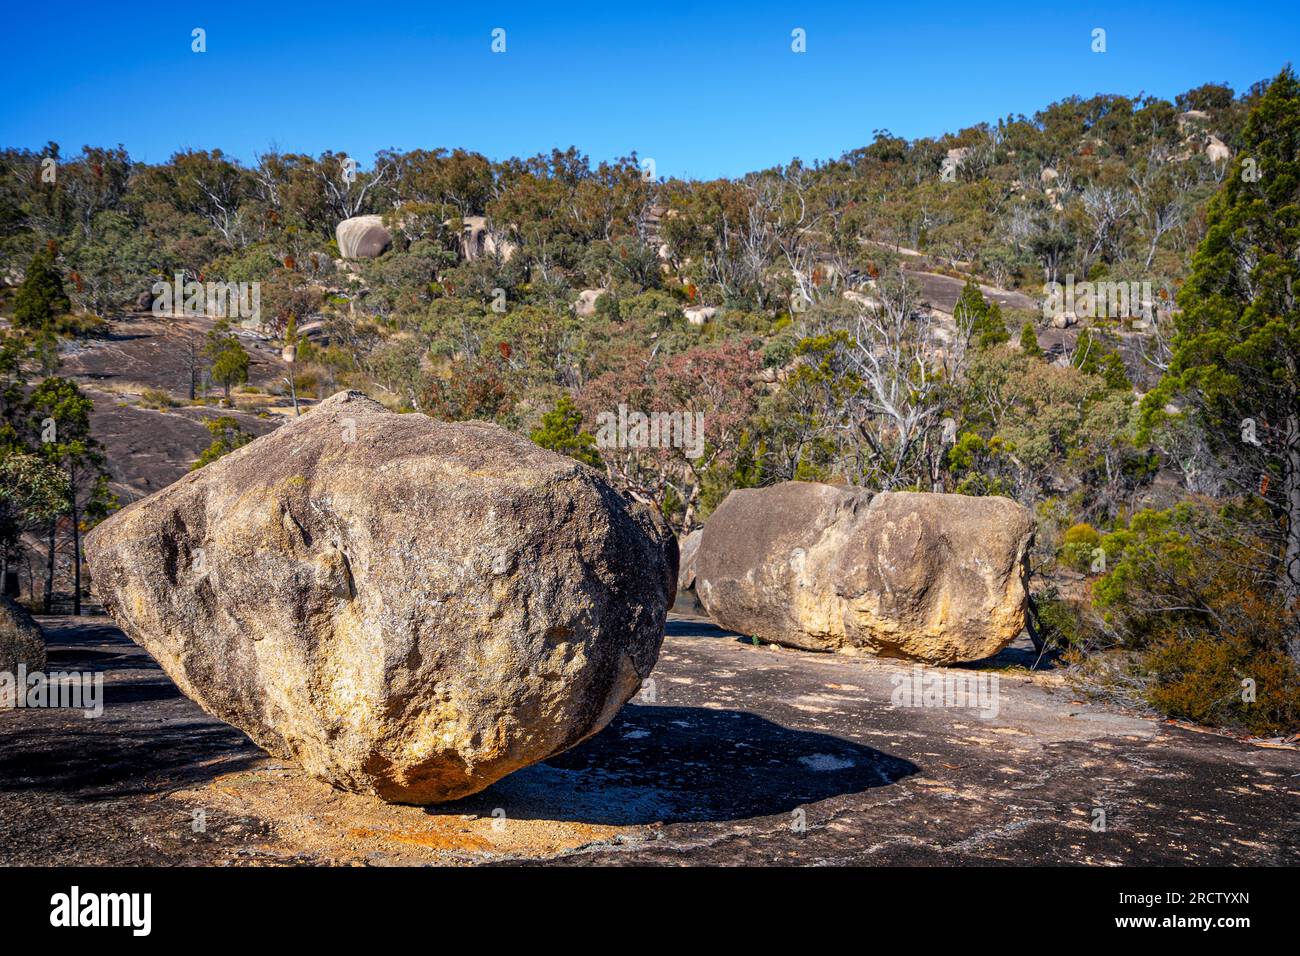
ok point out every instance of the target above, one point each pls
(704, 89)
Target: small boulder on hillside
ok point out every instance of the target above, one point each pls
(363, 237)
(1216, 150)
(585, 304)
(21, 644)
(928, 577)
(405, 607)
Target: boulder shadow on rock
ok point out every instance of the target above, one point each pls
(668, 764)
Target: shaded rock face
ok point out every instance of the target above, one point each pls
(933, 578)
(21, 644)
(405, 607)
(362, 237)
(689, 549)
(688, 601)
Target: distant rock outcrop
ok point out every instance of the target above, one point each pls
(1194, 126)
(21, 645)
(929, 577)
(363, 237)
(958, 155)
(405, 607)
(1216, 150)
(476, 239)
(864, 299)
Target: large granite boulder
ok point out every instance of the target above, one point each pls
(405, 607)
(927, 577)
(363, 237)
(21, 645)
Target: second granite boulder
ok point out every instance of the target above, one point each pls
(927, 577)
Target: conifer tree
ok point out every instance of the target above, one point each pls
(40, 296)
(1235, 361)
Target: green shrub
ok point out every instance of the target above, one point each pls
(561, 431)
(1191, 591)
(77, 325)
(227, 436)
(157, 398)
(40, 296)
(1062, 623)
(1078, 545)
(1224, 682)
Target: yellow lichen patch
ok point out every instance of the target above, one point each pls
(458, 841)
(436, 731)
(350, 673)
(566, 659)
(310, 818)
(496, 651)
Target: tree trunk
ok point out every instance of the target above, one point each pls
(49, 571)
(76, 558)
(1290, 578)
